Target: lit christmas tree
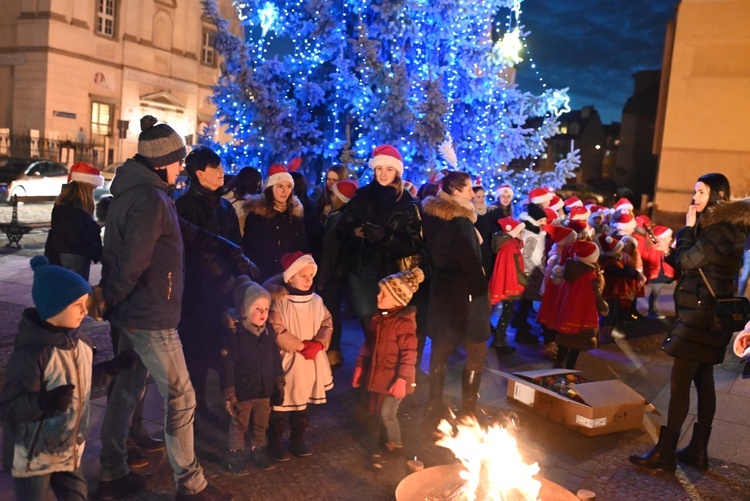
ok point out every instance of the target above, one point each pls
(412, 73)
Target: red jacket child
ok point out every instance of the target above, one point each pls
(563, 238)
(509, 276)
(654, 266)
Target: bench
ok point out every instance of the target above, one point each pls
(15, 230)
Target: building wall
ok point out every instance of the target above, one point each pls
(705, 125)
(53, 66)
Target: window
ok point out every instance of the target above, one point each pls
(105, 17)
(101, 119)
(208, 56)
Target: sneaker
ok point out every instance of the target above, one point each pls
(335, 358)
(299, 449)
(617, 333)
(259, 457)
(237, 464)
(136, 457)
(278, 454)
(210, 493)
(655, 315)
(121, 487)
(141, 439)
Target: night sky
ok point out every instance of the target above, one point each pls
(593, 47)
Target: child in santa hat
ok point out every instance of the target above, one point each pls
(631, 256)
(303, 326)
(74, 239)
(562, 239)
(619, 286)
(580, 304)
(387, 359)
(332, 275)
(534, 261)
(658, 272)
(508, 277)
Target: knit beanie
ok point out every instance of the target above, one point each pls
(293, 262)
(246, 292)
(277, 173)
(387, 156)
(55, 288)
(85, 173)
(402, 286)
(160, 144)
(536, 212)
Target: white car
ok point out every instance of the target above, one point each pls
(30, 177)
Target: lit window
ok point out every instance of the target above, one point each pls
(105, 17)
(207, 49)
(563, 129)
(101, 119)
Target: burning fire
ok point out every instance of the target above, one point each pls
(494, 468)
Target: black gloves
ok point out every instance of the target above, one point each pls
(102, 372)
(278, 394)
(56, 399)
(373, 232)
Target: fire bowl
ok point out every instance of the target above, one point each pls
(437, 482)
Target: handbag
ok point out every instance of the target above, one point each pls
(731, 312)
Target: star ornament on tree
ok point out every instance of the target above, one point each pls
(560, 102)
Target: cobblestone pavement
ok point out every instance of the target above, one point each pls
(341, 439)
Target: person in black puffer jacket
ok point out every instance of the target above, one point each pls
(711, 242)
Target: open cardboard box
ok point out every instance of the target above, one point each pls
(610, 405)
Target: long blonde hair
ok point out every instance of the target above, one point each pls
(77, 194)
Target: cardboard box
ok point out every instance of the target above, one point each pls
(609, 405)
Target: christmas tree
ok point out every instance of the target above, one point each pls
(356, 74)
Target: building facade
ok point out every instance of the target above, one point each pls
(77, 75)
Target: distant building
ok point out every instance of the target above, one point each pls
(636, 162)
(81, 73)
(702, 122)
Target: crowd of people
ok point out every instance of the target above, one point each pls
(251, 278)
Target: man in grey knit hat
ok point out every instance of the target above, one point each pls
(142, 280)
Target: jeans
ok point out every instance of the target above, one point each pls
(77, 263)
(161, 355)
(389, 419)
(258, 411)
(67, 485)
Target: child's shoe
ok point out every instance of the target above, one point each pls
(237, 463)
(259, 457)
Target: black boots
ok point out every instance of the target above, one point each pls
(696, 453)
(469, 392)
(662, 455)
(435, 405)
(298, 422)
(276, 427)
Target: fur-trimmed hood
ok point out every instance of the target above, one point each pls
(446, 207)
(736, 213)
(257, 204)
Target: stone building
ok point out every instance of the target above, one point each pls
(80, 74)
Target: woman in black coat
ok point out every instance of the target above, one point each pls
(380, 225)
(459, 299)
(712, 242)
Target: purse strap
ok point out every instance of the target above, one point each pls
(705, 280)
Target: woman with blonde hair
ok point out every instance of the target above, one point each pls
(74, 239)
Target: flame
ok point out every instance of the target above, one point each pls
(495, 470)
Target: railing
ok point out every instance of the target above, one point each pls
(26, 146)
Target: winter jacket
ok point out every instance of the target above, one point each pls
(396, 217)
(73, 231)
(487, 226)
(715, 245)
(250, 364)
(534, 258)
(206, 274)
(390, 350)
(37, 442)
(508, 276)
(656, 269)
(459, 299)
(579, 305)
(331, 267)
(269, 234)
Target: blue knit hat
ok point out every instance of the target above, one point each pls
(55, 288)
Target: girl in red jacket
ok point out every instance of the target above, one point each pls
(508, 277)
(387, 359)
(657, 271)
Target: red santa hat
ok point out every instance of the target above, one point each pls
(585, 251)
(662, 232)
(85, 173)
(277, 173)
(556, 203)
(560, 234)
(579, 213)
(643, 221)
(552, 216)
(477, 183)
(504, 188)
(511, 226)
(409, 186)
(539, 196)
(345, 189)
(578, 225)
(573, 201)
(624, 222)
(436, 177)
(293, 262)
(623, 204)
(609, 245)
(387, 156)
(597, 210)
